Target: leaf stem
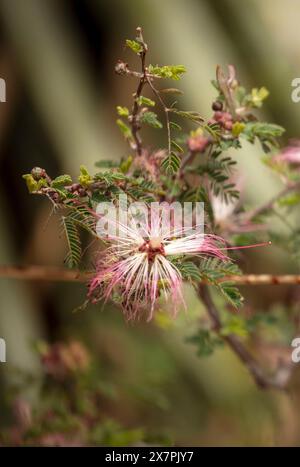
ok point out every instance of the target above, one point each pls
(165, 109)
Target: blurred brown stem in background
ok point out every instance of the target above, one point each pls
(282, 375)
(44, 273)
(52, 273)
(272, 202)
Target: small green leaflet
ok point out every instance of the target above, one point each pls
(61, 181)
(150, 118)
(167, 71)
(135, 46)
(145, 101)
(124, 129)
(175, 126)
(171, 91)
(188, 114)
(265, 132)
(189, 271)
(122, 111)
(177, 147)
(109, 178)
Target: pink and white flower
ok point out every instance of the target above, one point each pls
(138, 265)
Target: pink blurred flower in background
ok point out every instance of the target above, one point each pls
(290, 154)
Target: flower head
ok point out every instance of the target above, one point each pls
(138, 263)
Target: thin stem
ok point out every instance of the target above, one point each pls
(44, 273)
(137, 74)
(166, 111)
(278, 380)
(225, 83)
(271, 203)
(57, 274)
(186, 161)
(135, 124)
(284, 220)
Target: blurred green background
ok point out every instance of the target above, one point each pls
(57, 58)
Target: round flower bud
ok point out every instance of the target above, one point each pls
(228, 125)
(38, 173)
(217, 105)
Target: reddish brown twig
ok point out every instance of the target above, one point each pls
(43, 273)
(57, 274)
(135, 123)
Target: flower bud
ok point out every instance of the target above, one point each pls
(228, 125)
(38, 173)
(218, 115)
(82, 192)
(197, 143)
(121, 67)
(217, 105)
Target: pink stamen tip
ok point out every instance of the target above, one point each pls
(247, 246)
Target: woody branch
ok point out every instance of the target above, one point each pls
(58, 274)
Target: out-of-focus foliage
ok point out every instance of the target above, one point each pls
(73, 401)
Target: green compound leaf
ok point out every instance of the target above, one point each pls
(74, 244)
(171, 163)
